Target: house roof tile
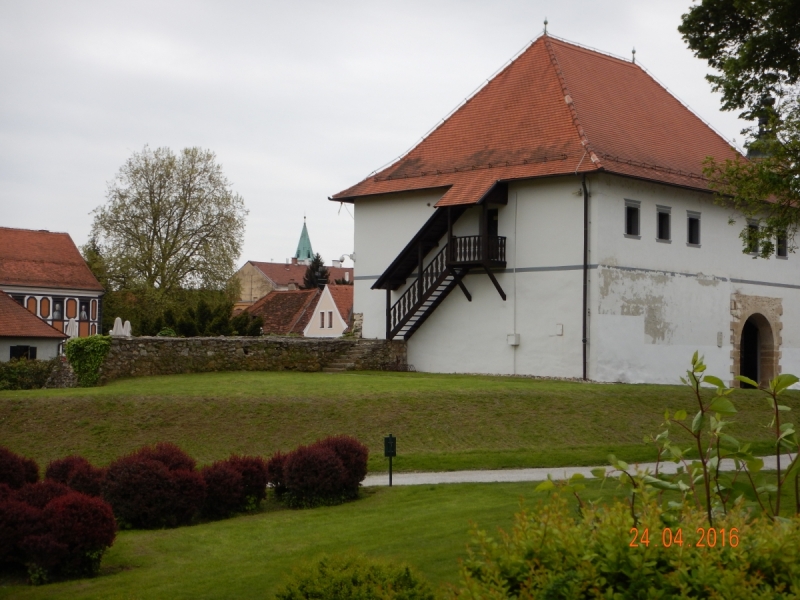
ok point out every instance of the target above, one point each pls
(343, 298)
(285, 311)
(43, 259)
(556, 109)
(16, 321)
(284, 274)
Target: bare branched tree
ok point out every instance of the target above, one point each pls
(170, 221)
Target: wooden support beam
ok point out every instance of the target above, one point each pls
(495, 282)
(388, 314)
(458, 277)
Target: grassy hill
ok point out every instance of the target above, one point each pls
(441, 421)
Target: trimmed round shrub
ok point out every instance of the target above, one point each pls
(253, 470)
(170, 455)
(85, 526)
(224, 490)
(40, 494)
(142, 493)
(16, 470)
(190, 495)
(5, 491)
(275, 478)
(78, 474)
(355, 577)
(17, 522)
(354, 456)
(314, 476)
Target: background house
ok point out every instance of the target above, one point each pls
(23, 335)
(559, 224)
(44, 272)
(333, 312)
(285, 311)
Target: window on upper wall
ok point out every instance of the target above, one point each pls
(58, 309)
(632, 209)
(330, 319)
(752, 238)
(322, 319)
(663, 224)
(692, 228)
(782, 246)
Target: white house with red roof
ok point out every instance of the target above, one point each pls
(44, 272)
(333, 312)
(559, 224)
(23, 335)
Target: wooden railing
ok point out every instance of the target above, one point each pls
(418, 291)
(469, 249)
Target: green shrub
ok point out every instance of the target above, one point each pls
(86, 355)
(24, 374)
(551, 553)
(355, 577)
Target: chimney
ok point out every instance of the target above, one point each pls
(294, 260)
(337, 264)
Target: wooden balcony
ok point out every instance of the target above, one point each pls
(477, 250)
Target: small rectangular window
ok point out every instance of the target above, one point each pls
(322, 319)
(781, 246)
(632, 218)
(18, 352)
(330, 319)
(752, 238)
(693, 228)
(663, 225)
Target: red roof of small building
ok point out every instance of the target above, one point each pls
(43, 259)
(284, 274)
(557, 109)
(16, 321)
(285, 311)
(343, 298)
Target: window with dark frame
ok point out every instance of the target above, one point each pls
(58, 309)
(19, 300)
(18, 352)
(632, 218)
(322, 319)
(752, 238)
(330, 319)
(782, 246)
(663, 224)
(693, 228)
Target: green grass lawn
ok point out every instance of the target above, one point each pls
(442, 422)
(251, 556)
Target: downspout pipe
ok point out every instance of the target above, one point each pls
(585, 339)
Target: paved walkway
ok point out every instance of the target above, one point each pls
(509, 475)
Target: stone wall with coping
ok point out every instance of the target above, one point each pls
(142, 356)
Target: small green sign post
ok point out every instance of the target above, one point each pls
(390, 451)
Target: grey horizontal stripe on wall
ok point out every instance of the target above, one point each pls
(638, 269)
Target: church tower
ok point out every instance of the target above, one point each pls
(304, 252)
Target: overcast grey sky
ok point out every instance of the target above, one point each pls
(298, 100)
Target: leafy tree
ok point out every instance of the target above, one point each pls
(170, 221)
(316, 274)
(754, 45)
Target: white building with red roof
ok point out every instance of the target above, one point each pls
(44, 272)
(333, 312)
(559, 224)
(23, 335)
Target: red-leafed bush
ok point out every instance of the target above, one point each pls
(141, 492)
(17, 521)
(16, 470)
(78, 474)
(190, 495)
(354, 456)
(40, 494)
(5, 491)
(170, 455)
(253, 470)
(314, 476)
(275, 478)
(224, 490)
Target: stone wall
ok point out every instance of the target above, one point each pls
(141, 356)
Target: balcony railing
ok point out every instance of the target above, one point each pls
(470, 249)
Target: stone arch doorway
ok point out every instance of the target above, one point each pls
(757, 351)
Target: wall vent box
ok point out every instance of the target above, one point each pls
(719, 339)
(513, 339)
(559, 329)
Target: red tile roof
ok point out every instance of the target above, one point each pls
(556, 109)
(283, 274)
(16, 321)
(43, 259)
(285, 311)
(343, 298)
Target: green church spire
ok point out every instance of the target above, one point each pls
(304, 251)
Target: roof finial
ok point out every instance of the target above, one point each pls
(633, 54)
(545, 25)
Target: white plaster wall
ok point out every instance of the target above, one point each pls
(325, 304)
(653, 304)
(383, 227)
(46, 348)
